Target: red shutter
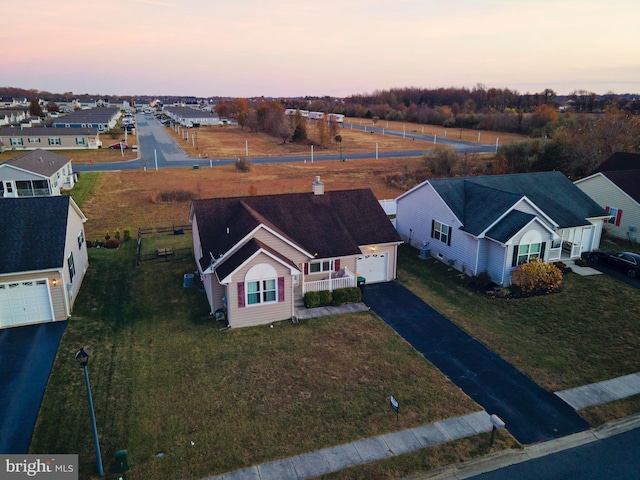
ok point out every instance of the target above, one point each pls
(618, 217)
(241, 295)
(606, 209)
(336, 264)
(280, 289)
(306, 269)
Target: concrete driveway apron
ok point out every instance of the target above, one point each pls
(531, 413)
(26, 357)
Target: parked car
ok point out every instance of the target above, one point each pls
(119, 146)
(627, 262)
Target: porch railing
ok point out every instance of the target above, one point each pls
(347, 280)
(555, 253)
(33, 192)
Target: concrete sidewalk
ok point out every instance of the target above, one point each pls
(336, 458)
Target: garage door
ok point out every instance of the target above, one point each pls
(373, 267)
(24, 302)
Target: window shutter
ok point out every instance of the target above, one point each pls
(241, 295)
(618, 217)
(336, 264)
(433, 227)
(306, 269)
(514, 261)
(542, 248)
(280, 289)
(449, 237)
(606, 209)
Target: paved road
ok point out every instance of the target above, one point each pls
(157, 147)
(614, 458)
(531, 413)
(26, 358)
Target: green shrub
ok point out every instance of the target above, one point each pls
(536, 276)
(127, 234)
(312, 299)
(107, 236)
(112, 243)
(346, 295)
(116, 234)
(325, 298)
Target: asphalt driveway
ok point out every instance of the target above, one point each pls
(26, 357)
(612, 272)
(531, 413)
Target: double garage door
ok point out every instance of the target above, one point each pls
(22, 303)
(373, 266)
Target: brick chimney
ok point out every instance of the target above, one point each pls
(317, 187)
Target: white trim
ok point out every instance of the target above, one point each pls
(512, 208)
(227, 280)
(612, 183)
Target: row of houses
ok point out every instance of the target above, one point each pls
(329, 117)
(191, 117)
(258, 255)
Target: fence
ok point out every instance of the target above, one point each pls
(166, 252)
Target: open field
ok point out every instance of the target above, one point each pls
(230, 141)
(163, 376)
(131, 199)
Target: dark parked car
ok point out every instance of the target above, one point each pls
(627, 262)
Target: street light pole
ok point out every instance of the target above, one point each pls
(82, 356)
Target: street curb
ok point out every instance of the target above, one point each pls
(504, 458)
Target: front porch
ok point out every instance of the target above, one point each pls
(341, 279)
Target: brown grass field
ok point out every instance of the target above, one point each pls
(129, 199)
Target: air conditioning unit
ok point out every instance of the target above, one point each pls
(632, 228)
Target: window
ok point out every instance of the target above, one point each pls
(261, 286)
(79, 140)
(441, 232)
(54, 140)
(321, 266)
(528, 251)
(34, 140)
(616, 215)
(16, 141)
(9, 187)
(80, 239)
(261, 291)
(72, 267)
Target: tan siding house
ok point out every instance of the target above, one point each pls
(257, 256)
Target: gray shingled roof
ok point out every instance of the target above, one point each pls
(479, 207)
(511, 224)
(332, 225)
(33, 233)
(39, 161)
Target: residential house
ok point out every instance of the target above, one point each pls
(43, 259)
(102, 119)
(615, 186)
(495, 223)
(35, 137)
(35, 174)
(258, 255)
(191, 117)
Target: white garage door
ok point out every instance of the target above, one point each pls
(373, 267)
(24, 302)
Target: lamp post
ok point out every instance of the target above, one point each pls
(82, 356)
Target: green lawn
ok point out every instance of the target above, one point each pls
(84, 186)
(586, 333)
(163, 376)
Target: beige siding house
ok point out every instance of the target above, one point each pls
(257, 256)
(43, 286)
(46, 138)
(616, 188)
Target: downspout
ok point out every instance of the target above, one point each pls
(65, 295)
(504, 263)
(475, 271)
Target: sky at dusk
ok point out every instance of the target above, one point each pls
(245, 48)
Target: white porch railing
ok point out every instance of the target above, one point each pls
(555, 254)
(348, 279)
